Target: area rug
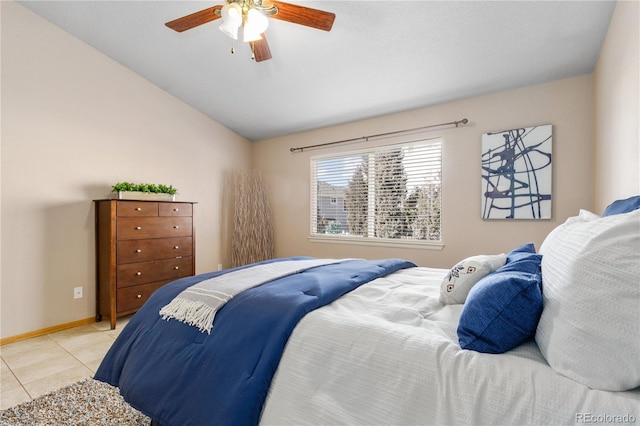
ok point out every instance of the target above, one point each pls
(88, 402)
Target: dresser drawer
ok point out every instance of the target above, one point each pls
(136, 209)
(130, 251)
(132, 298)
(131, 274)
(175, 209)
(153, 227)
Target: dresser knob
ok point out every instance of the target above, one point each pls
(139, 296)
(176, 247)
(138, 273)
(176, 226)
(176, 210)
(138, 227)
(138, 251)
(176, 267)
(138, 209)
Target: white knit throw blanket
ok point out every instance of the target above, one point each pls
(198, 304)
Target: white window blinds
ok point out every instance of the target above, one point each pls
(384, 193)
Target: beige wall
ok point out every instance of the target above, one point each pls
(617, 92)
(74, 123)
(566, 104)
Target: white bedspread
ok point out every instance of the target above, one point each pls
(387, 354)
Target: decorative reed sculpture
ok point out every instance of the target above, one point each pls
(252, 239)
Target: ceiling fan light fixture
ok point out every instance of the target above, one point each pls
(253, 15)
(232, 19)
(256, 23)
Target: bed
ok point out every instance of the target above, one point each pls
(547, 336)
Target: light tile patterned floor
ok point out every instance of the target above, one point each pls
(35, 366)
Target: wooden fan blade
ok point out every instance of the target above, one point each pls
(195, 19)
(260, 48)
(306, 16)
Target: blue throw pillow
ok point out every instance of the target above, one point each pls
(622, 206)
(526, 262)
(519, 252)
(503, 309)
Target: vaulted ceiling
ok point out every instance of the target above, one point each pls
(380, 57)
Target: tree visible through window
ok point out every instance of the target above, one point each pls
(386, 193)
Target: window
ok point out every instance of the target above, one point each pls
(390, 194)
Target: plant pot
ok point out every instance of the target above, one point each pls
(145, 196)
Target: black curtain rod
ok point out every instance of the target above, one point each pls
(366, 138)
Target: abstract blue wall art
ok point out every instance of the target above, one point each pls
(516, 173)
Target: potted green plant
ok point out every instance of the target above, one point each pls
(144, 191)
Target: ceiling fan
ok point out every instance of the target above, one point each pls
(251, 16)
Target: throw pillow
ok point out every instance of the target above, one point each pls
(502, 309)
(521, 251)
(622, 206)
(456, 285)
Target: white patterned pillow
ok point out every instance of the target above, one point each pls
(589, 330)
(465, 274)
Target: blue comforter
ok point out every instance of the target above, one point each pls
(179, 376)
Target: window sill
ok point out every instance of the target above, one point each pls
(407, 244)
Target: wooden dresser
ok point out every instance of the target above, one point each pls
(140, 246)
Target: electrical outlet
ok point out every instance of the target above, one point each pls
(219, 266)
(77, 292)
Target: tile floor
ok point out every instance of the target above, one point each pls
(35, 366)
